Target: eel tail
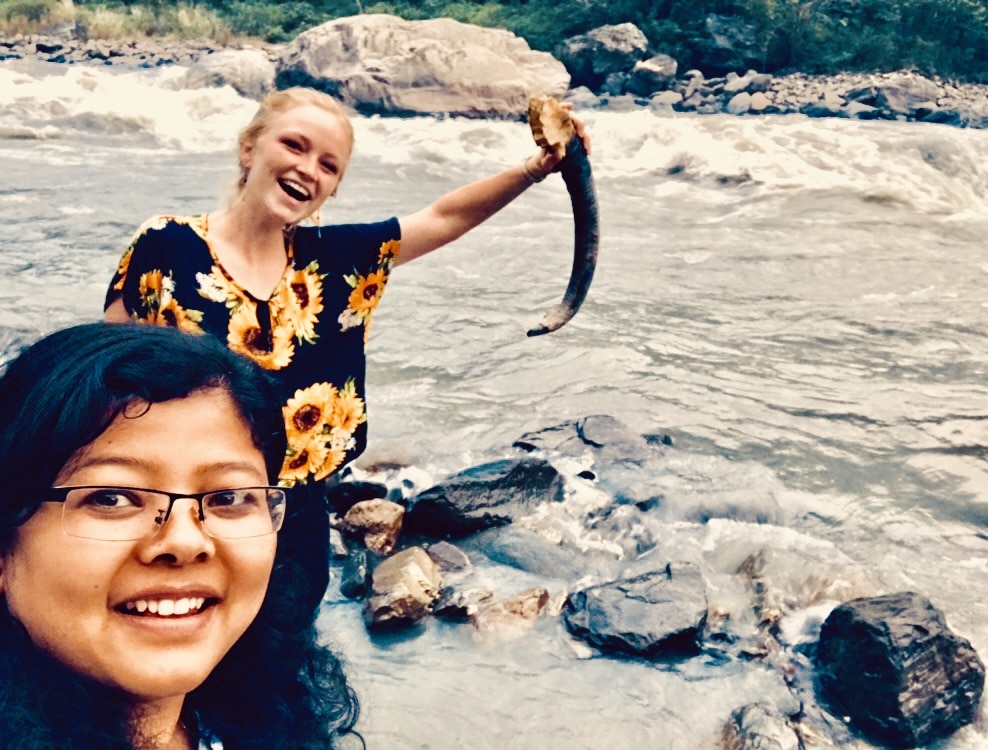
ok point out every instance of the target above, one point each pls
(575, 169)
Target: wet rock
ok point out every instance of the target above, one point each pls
(460, 606)
(599, 433)
(483, 497)
(513, 614)
(338, 549)
(758, 726)
(592, 56)
(403, 589)
(860, 111)
(759, 102)
(582, 97)
(898, 95)
(651, 75)
(739, 104)
(893, 666)
(355, 579)
(344, 495)
(615, 84)
(448, 557)
(656, 615)
(249, 72)
(377, 522)
(528, 550)
(379, 63)
(666, 99)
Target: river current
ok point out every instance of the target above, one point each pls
(801, 305)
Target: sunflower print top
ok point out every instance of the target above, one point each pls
(310, 334)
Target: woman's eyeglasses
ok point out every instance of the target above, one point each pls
(121, 514)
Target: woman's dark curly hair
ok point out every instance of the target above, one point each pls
(277, 688)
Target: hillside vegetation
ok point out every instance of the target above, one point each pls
(944, 37)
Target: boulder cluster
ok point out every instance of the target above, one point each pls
(383, 64)
(610, 66)
(885, 667)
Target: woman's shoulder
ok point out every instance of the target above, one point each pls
(173, 224)
(349, 243)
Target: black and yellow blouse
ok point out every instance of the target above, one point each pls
(310, 334)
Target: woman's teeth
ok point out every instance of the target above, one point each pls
(166, 607)
(295, 190)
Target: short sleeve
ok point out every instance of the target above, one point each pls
(138, 259)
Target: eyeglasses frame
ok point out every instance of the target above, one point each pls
(61, 495)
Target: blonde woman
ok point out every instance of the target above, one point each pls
(297, 300)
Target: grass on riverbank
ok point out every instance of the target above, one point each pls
(180, 21)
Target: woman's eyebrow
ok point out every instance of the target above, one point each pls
(96, 461)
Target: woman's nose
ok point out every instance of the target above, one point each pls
(181, 536)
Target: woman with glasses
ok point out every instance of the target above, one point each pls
(149, 597)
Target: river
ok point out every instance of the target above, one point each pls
(801, 305)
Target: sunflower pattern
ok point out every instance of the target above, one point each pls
(310, 334)
(320, 421)
(367, 290)
(157, 296)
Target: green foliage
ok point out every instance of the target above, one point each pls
(273, 22)
(946, 37)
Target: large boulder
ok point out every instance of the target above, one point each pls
(892, 665)
(902, 94)
(656, 615)
(250, 72)
(379, 63)
(654, 74)
(731, 45)
(591, 57)
(483, 497)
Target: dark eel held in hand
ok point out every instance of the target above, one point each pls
(552, 128)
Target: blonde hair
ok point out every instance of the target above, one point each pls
(278, 102)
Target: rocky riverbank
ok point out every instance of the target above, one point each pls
(411, 555)
(382, 64)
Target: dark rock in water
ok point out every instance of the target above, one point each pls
(404, 587)
(944, 117)
(893, 666)
(655, 615)
(483, 497)
(355, 581)
(448, 556)
(527, 550)
(599, 432)
(758, 726)
(343, 496)
(460, 606)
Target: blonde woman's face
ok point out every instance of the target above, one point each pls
(295, 163)
(151, 617)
